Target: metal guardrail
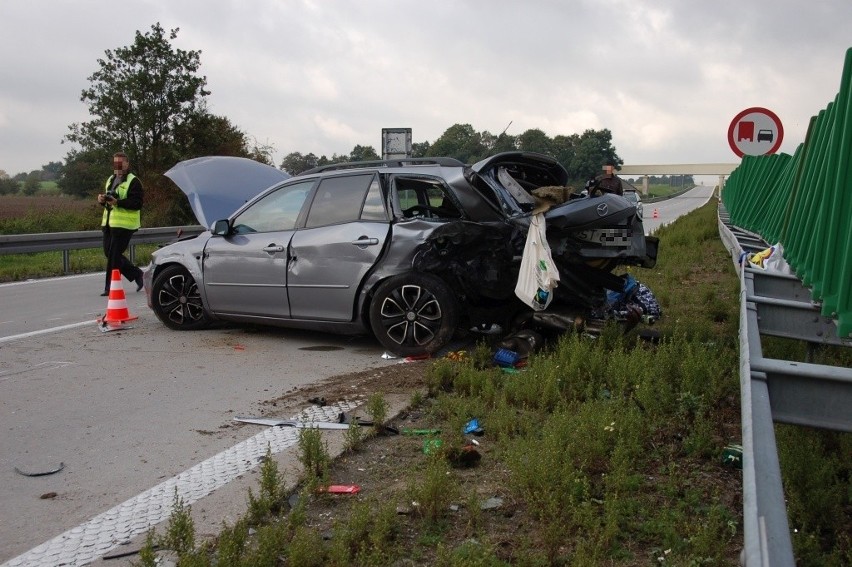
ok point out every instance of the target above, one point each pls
(68, 241)
(781, 391)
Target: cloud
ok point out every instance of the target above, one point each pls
(665, 77)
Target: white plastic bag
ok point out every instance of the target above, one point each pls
(538, 275)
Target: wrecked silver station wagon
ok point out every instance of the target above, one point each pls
(410, 250)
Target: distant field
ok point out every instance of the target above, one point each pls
(17, 206)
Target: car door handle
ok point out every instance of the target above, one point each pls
(272, 248)
(365, 241)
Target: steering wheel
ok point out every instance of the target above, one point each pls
(422, 209)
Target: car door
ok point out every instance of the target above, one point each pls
(343, 237)
(245, 272)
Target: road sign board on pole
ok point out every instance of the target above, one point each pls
(755, 131)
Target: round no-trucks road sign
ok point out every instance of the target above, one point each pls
(755, 132)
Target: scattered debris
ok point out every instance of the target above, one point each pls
(465, 456)
(457, 355)
(492, 503)
(506, 358)
(48, 496)
(275, 422)
(431, 445)
(126, 552)
(732, 456)
(409, 431)
(41, 473)
(472, 427)
(340, 489)
(344, 417)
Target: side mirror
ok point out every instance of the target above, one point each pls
(221, 227)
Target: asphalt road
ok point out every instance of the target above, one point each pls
(128, 411)
(125, 410)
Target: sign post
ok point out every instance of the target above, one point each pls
(755, 132)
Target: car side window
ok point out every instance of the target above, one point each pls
(374, 208)
(275, 212)
(339, 199)
(424, 198)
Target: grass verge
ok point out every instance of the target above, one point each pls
(601, 451)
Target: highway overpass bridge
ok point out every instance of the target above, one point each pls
(643, 171)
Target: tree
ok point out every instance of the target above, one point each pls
(535, 140)
(420, 149)
(504, 143)
(32, 183)
(592, 150)
(51, 171)
(8, 186)
(84, 174)
(295, 163)
(363, 153)
(204, 134)
(459, 141)
(138, 97)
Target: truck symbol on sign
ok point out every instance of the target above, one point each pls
(745, 131)
(764, 136)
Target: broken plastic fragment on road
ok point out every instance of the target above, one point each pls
(275, 422)
(41, 473)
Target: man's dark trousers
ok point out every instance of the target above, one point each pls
(116, 241)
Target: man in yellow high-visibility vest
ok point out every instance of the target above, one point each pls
(122, 203)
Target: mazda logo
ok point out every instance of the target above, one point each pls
(602, 210)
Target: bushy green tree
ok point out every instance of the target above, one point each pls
(592, 150)
(363, 153)
(420, 149)
(51, 171)
(85, 172)
(138, 97)
(8, 186)
(295, 163)
(535, 140)
(459, 141)
(32, 183)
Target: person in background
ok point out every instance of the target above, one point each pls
(609, 182)
(122, 203)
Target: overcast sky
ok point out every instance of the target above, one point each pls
(666, 77)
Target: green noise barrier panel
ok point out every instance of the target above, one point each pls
(804, 202)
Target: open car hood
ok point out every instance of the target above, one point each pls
(216, 186)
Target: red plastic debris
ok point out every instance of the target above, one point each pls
(341, 489)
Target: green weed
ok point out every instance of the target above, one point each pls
(271, 497)
(314, 456)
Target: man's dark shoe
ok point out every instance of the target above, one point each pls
(139, 282)
(104, 294)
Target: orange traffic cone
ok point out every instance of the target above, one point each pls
(117, 313)
(656, 214)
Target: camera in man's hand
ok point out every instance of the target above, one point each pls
(110, 194)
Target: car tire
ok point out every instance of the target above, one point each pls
(413, 314)
(176, 301)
